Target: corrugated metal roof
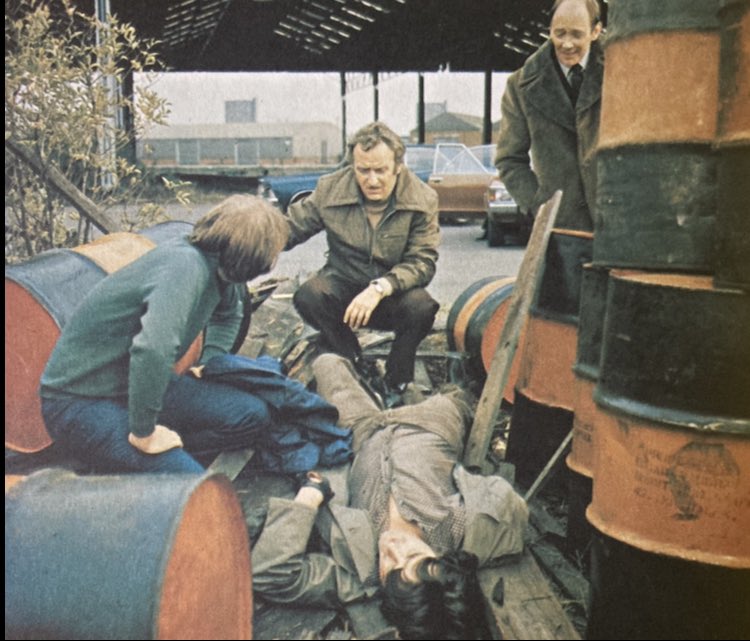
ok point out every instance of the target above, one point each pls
(339, 35)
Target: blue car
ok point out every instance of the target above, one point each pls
(282, 191)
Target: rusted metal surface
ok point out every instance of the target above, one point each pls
(559, 294)
(732, 264)
(644, 103)
(679, 492)
(643, 595)
(657, 207)
(672, 464)
(676, 350)
(114, 251)
(630, 17)
(476, 320)
(41, 295)
(656, 163)
(581, 457)
(586, 368)
(545, 375)
(126, 557)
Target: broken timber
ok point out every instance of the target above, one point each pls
(524, 607)
(56, 179)
(529, 275)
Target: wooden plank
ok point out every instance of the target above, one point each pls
(368, 621)
(525, 286)
(289, 623)
(231, 463)
(529, 609)
(552, 465)
(56, 179)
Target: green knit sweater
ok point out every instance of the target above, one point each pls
(125, 337)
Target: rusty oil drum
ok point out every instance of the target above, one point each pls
(672, 465)
(475, 322)
(545, 387)
(586, 367)
(140, 556)
(732, 264)
(656, 163)
(41, 295)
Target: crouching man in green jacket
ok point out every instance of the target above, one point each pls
(417, 525)
(381, 223)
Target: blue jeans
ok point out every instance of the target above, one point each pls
(210, 417)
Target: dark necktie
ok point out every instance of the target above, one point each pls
(575, 77)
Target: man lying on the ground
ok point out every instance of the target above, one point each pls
(417, 524)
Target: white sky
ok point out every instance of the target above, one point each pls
(198, 98)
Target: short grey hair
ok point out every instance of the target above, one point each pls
(371, 135)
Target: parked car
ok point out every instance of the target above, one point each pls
(282, 191)
(504, 217)
(461, 182)
(486, 155)
(458, 177)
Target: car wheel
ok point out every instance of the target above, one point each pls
(495, 233)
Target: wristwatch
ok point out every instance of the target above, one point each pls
(378, 287)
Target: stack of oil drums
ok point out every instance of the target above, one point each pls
(40, 295)
(663, 355)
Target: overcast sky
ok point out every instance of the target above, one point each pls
(198, 98)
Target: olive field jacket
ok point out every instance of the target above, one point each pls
(403, 246)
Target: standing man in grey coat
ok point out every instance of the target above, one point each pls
(550, 118)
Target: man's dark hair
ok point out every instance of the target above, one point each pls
(445, 603)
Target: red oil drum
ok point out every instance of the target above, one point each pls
(475, 322)
(545, 388)
(672, 464)
(586, 367)
(656, 165)
(586, 373)
(41, 294)
(139, 556)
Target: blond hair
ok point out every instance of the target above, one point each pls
(246, 231)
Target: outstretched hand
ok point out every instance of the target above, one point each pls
(160, 440)
(361, 308)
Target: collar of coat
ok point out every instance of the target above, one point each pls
(541, 87)
(409, 192)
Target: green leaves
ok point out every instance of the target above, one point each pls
(63, 75)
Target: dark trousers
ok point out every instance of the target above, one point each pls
(322, 301)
